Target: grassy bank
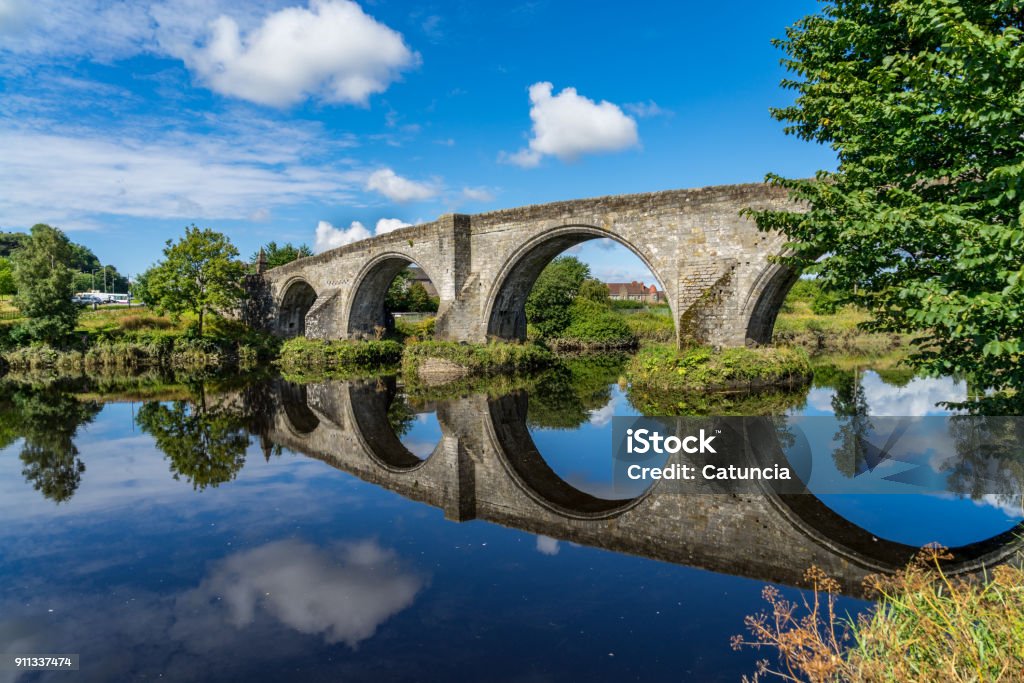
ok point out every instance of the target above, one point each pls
(925, 626)
(809, 320)
(134, 339)
(438, 361)
(666, 368)
(302, 356)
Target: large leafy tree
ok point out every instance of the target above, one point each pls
(921, 222)
(200, 273)
(549, 303)
(278, 255)
(45, 284)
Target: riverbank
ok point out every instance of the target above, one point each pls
(925, 626)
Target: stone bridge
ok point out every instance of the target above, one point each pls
(713, 264)
(486, 466)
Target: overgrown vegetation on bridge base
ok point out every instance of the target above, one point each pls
(666, 369)
(437, 361)
(301, 355)
(926, 626)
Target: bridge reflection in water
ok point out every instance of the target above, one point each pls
(486, 466)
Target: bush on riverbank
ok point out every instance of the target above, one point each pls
(652, 325)
(593, 326)
(667, 369)
(301, 355)
(926, 626)
(440, 361)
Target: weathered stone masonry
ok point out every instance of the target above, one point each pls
(714, 264)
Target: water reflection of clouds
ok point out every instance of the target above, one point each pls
(919, 397)
(255, 607)
(547, 545)
(342, 594)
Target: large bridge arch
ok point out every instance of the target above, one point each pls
(367, 314)
(504, 309)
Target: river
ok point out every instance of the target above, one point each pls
(363, 530)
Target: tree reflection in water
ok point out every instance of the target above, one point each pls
(47, 420)
(204, 440)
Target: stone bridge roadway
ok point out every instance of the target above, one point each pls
(487, 467)
(713, 264)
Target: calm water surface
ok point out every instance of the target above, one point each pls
(349, 531)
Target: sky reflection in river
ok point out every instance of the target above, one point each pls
(285, 566)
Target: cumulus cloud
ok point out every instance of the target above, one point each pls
(330, 237)
(332, 50)
(386, 225)
(343, 596)
(398, 189)
(568, 125)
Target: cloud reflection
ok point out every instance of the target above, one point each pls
(343, 594)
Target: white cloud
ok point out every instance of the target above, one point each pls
(397, 188)
(330, 237)
(342, 596)
(386, 225)
(70, 176)
(568, 125)
(477, 194)
(646, 110)
(332, 50)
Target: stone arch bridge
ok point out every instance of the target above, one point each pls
(714, 265)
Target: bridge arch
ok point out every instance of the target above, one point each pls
(764, 301)
(523, 462)
(366, 311)
(370, 403)
(816, 521)
(504, 309)
(295, 303)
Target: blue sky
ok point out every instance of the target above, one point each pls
(325, 121)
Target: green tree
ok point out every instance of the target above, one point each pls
(44, 283)
(205, 444)
(7, 285)
(200, 274)
(549, 303)
(419, 301)
(921, 223)
(594, 290)
(280, 255)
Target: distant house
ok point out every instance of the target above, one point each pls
(416, 274)
(634, 291)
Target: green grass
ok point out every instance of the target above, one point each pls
(802, 323)
(301, 356)
(666, 368)
(477, 359)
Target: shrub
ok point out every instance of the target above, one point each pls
(926, 626)
(298, 355)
